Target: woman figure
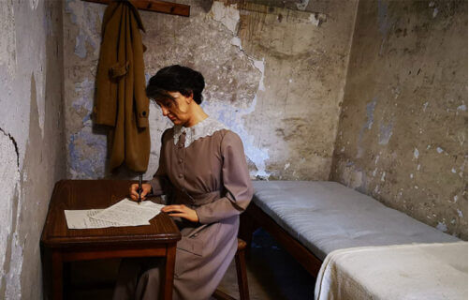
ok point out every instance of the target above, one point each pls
(203, 173)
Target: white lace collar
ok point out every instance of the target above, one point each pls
(202, 129)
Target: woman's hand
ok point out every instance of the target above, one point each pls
(181, 211)
(146, 189)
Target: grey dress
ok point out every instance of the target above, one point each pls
(203, 167)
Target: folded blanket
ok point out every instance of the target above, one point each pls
(416, 271)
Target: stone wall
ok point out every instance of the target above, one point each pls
(403, 128)
(275, 74)
(32, 152)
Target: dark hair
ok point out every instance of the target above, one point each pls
(176, 78)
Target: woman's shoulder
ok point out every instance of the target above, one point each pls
(228, 134)
(230, 139)
(167, 134)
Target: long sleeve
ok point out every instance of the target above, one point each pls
(160, 183)
(237, 185)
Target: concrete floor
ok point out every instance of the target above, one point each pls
(272, 274)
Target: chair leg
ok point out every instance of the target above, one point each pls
(242, 276)
(247, 227)
(240, 261)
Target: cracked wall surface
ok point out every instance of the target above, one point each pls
(32, 151)
(403, 129)
(274, 74)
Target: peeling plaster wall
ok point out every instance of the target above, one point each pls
(403, 128)
(32, 152)
(275, 74)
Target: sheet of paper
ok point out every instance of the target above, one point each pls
(82, 219)
(130, 212)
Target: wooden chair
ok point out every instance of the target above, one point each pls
(241, 274)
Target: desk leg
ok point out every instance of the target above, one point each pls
(57, 276)
(169, 272)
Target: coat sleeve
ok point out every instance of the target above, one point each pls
(160, 183)
(237, 184)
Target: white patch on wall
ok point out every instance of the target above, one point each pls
(236, 41)
(228, 15)
(13, 279)
(357, 179)
(9, 178)
(33, 4)
(316, 19)
(302, 5)
(385, 133)
(370, 108)
(416, 153)
(460, 214)
(442, 226)
(232, 117)
(396, 91)
(260, 65)
(8, 38)
(40, 97)
(439, 150)
(462, 107)
(425, 105)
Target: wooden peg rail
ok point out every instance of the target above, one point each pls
(156, 6)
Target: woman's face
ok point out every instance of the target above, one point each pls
(177, 110)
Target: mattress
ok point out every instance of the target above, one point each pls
(325, 216)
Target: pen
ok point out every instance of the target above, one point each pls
(139, 188)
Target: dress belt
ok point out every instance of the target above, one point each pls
(184, 197)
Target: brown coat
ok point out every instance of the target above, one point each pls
(211, 176)
(120, 97)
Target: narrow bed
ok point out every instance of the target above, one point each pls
(311, 219)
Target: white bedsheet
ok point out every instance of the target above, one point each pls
(416, 271)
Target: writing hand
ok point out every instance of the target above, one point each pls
(146, 189)
(181, 211)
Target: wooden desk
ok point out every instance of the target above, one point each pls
(60, 245)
